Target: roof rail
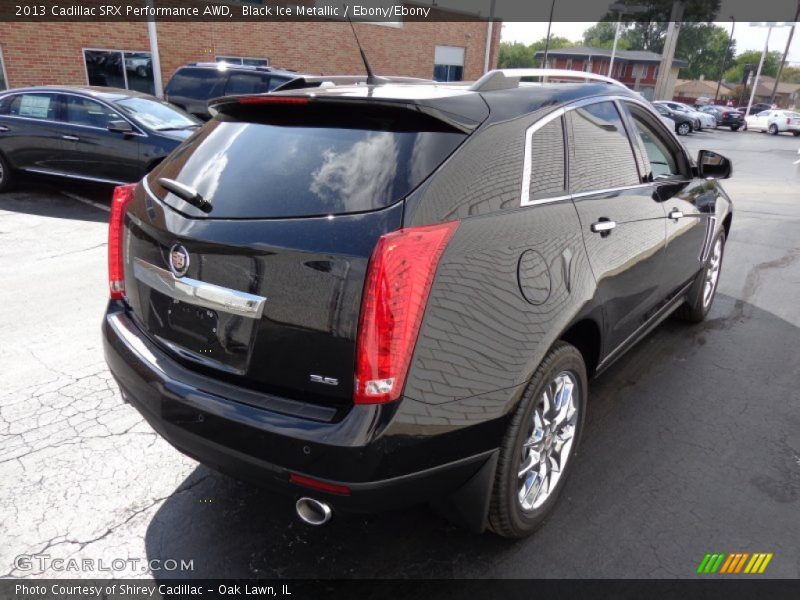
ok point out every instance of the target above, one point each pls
(306, 81)
(504, 79)
(221, 64)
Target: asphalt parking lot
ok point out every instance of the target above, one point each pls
(692, 444)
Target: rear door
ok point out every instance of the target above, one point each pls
(622, 221)
(31, 133)
(91, 150)
(265, 290)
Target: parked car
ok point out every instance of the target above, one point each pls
(775, 122)
(192, 86)
(139, 63)
(699, 119)
(726, 117)
(756, 108)
(684, 124)
(98, 134)
(403, 299)
(667, 121)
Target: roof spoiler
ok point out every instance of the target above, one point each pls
(307, 81)
(506, 79)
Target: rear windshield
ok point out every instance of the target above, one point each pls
(306, 167)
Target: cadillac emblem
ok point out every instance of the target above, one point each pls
(178, 260)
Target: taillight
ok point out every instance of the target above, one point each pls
(116, 269)
(399, 279)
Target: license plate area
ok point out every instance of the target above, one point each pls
(212, 338)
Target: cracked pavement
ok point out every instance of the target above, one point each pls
(692, 442)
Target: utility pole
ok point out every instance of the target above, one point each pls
(725, 58)
(758, 72)
(155, 57)
(667, 56)
(785, 53)
(547, 41)
(621, 9)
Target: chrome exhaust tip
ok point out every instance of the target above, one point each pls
(313, 511)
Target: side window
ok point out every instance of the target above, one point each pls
(545, 159)
(276, 81)
(35, 106)
(601, 156)
(82, 111)
(193, 83)
(247, 83)
(662, 161)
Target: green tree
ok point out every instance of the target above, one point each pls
(752, 57)
(518, 55)
(703, 45)
(601, 35)
(790, 74)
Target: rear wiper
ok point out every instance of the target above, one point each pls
(184, 192)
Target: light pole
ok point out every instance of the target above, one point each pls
(725, 59)
(785, 53)
(769, 25)
(621, 9)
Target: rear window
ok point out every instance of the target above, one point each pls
(307, 166)
(194, 83)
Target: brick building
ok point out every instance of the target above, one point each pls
(73, 53)
(637, 69)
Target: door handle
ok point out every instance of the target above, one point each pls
(70, 138)
(603, 226)
(675, 214)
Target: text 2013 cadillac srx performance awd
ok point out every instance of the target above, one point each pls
(369, 296)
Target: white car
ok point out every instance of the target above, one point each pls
(706, 120)
(774, 121)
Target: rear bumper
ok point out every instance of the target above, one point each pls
(203, 418)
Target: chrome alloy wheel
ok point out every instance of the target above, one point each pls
(547, 449)
(712, 272)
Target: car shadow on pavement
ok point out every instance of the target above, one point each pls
(57, 199)
(678, 452)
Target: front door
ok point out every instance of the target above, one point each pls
(687, 203)
(92, 150)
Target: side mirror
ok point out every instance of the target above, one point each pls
(120, 126)
(711, 165)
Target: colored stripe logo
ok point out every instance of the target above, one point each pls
(733, 564)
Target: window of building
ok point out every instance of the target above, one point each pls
(3, 76)
(448, 63)
(639, 71)
(244, 60)
(120, 68)
(547, 161)
(601, 156)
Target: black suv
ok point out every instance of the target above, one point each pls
(191, 86)
(402, 299)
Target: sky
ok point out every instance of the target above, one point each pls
(747, 37)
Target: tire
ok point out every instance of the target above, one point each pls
(795, 133)
(507, 515)
(6, 175)
(773, 129)
(699, 299)
(683, 129)
(734, 128)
